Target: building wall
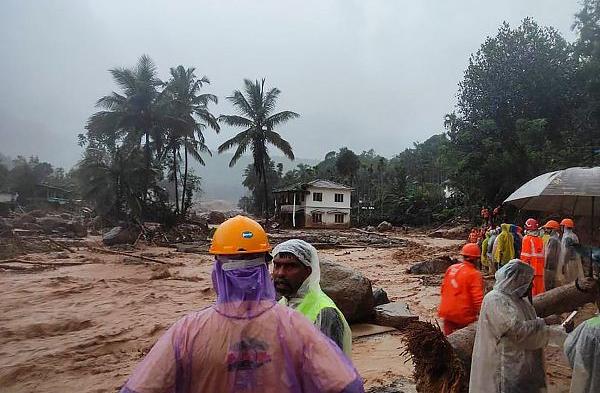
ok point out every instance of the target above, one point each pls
(328, 219)
(328, 198)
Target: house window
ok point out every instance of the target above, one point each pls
(339, 197)
(317, 218)
(339, 218)
(302, 197)
(317, 196)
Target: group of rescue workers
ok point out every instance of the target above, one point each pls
(508, 351)
(250, 342)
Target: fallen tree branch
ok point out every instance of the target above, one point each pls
(131, 255)
(60, 245)
(15, 260)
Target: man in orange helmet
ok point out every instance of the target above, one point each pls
(569, 264)
(551, 253)
(532, 253)
(462, 291)
(245, 342)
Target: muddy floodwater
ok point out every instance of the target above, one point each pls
(83, 325)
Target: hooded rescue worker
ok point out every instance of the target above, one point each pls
(490, 250)
(462, 291)
(582, 348)
(504, 245)
(297, 276)
(508, 351)
(551, 253)
(569, 264)
(485, 245)
(532, 253)
(245, 342)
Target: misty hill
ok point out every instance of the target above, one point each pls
(221, 182)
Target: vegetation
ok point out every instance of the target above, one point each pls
(133, 146)
(529, 103)
(255, 115)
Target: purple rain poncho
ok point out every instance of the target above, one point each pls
(246, 342)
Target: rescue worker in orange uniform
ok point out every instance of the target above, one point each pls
(462, 291)
(532, 253)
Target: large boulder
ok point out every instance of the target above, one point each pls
(384, 226)
(51, 223)
(432, 266)
(349, 289)
(77, 228)
(216, 217)
(395, 314)
(121, 235)
(23, 219)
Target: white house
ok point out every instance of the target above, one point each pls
(316, 204)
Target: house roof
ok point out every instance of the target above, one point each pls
(319, 183)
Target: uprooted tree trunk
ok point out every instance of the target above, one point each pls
(451, 379)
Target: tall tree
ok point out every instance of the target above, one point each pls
(514, 102)
(187, 116)
(132, 115)
(255, 115)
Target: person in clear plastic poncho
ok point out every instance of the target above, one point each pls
(569, 263)
(245, 342)
(582, 348)
(508, 350)
(297, 276)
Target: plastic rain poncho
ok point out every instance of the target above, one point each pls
(504, 245)
(311, 301)
(246, 342)
(582, 349)
(551, 256)
(485, 261)
(569, 263)
(508, 350)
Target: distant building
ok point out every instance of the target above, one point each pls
(46, 194)
(316, 204)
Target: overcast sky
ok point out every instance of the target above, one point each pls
(362, 74)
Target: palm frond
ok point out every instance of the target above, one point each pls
(276, 140)
(240, 139)
(270, 100)
(243, 106)
(239, 152)
(280, 118)
(235, 121)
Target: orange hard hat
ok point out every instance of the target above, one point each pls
(239, 235)
(552, 224)
(470, 250)
(531, 224)
(567, 223)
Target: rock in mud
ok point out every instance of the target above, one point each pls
(192, 247)
(432, 266)
(77, 228)
(31, 226)
(120, 235)
(456, 233)
(23, 219)
(349, 289)
(384, 226)
(380, 297)
(395, 314)
(216, 217)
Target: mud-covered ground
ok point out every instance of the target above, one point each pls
(83, 328)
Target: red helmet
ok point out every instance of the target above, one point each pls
(470, 250)
(531, 224)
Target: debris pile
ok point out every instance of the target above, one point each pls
(437, 367)
(324, 239)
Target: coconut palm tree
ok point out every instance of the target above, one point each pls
(255, 115)
(132, 115)
(187, 116)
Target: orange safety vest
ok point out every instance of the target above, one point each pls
(462, 294)
(532, 253)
